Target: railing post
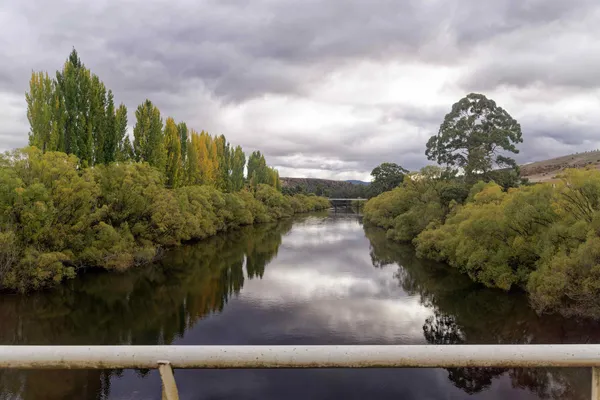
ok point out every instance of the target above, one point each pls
(595, 383)
(169, 388)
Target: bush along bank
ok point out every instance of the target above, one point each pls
(543, 238)
(56, 217)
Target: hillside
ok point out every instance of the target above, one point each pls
(539, 171)
(546, 170)
(325, 187)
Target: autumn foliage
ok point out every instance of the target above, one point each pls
(75, 114)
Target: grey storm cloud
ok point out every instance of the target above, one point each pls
(202, 60)
(426, 117)
(580, 72)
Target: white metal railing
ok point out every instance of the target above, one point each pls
(164, 358)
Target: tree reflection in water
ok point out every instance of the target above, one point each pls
(466, 313)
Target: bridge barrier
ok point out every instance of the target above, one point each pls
(165, 358)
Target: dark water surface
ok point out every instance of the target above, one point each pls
(316, 280)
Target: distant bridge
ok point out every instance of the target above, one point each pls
(348, 204)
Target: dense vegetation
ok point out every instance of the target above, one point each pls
(84, 195)
(543, 238)
(56, 217)
(324, 187)
(408, 209)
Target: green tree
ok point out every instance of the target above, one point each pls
(238, 163)
(386, 177)
(275, 179)
(74, 86)
(148, 142)
(125, 148)
(183, 139)
(41, 99)
(173, 149)
(320, 191)
(260, 173)
(74, 113)
(254, 164)
(224, 162)
(475, 136)
(127, 153)
(97, 120)
(112, 138)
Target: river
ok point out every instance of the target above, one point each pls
(316, 279)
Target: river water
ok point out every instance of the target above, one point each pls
(317, 279)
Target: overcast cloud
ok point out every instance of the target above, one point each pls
(324, 88)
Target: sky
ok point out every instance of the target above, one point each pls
(325, 89)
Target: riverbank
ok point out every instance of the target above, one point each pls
(543, 239)
(56, 217)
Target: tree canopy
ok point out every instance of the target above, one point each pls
(475, 136)
(386, 177)
(76, 114)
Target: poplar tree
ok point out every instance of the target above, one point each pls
(148, 142)
(207, 158)
(274, 177)
(193, 161)
(260, 173)
(213, 159)
(75, 114)
(97, 122)
(59, 117)
(40, 112)
(253, 164)
(224, 163)
(238, 163)
(183, 139)
(111, 139)
(74, 85)
(173, 150)
(127, 153)
(125, 149)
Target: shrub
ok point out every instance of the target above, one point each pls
(56, 217)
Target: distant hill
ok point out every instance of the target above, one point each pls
(325, 187)
(355, 182)
(544, 171)
(539, 171)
